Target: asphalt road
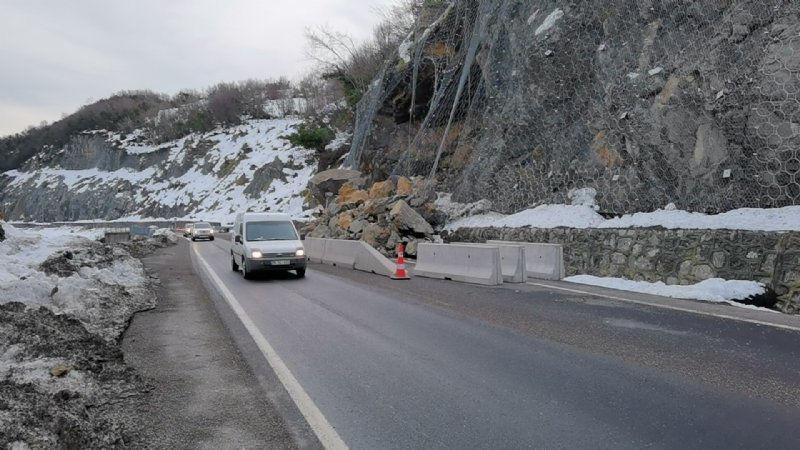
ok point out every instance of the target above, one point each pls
(434, 364)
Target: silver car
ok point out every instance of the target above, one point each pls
(202, 230)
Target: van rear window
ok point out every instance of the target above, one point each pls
(270, 231)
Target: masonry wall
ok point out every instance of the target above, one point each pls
(671, 256)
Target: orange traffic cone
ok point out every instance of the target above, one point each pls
(400, 273)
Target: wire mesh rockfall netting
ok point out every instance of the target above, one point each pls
(647, 102)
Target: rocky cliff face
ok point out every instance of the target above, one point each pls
(102, 175)
(648, 102)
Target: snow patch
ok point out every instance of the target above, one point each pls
(583, 197)
(712, 290)
(583, 216)
(545, 216)
(549, 21)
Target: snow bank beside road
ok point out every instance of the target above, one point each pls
(574, 216)
(65, 271)
(712, 290)
(64, 302)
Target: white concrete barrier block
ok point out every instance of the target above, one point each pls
(512, 261)
(371, 260)
(542, 261)
(315, 249)
(341, 253)
(479, 264)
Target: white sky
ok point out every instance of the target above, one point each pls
(57, 54)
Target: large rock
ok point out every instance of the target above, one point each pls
(406, 219)
(330, 181)
(404, 187)
(264, 176)
(375, 235)
(381, 189)
(349, 195)
(2, 233)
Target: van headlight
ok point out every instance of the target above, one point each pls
(300, 252)
(256, 254)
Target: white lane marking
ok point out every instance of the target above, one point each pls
(675, 308)
(325, 432)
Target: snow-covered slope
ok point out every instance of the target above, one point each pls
(202, 176)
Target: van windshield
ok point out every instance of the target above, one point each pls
(270, 231)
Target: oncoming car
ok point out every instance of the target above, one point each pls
(187, 230)
(265, 242)
(202, 230)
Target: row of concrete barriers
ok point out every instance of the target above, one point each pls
(492, 263)
(356, 255)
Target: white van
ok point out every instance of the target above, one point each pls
(266, 241)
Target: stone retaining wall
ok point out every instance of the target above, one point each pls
(671, 256)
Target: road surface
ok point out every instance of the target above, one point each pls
(436, 364)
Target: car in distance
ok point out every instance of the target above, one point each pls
(202, 230)
(187, 230)
(264, 242)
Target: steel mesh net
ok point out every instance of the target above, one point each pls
(647, 102)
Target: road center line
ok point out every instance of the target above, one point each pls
(325, 432)
(675, 308)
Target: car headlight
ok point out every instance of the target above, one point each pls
(256, 254)
(300, 252)
(212, 231)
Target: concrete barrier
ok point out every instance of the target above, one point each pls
(356, 255)
(479, 264)
(371, 260)
(542, 261)
(315, 249)
(512, 261)
(341, 253)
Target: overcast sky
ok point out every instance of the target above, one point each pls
(57, 54)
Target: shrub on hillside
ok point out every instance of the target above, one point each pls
(311, 136)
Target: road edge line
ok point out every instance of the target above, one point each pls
(674, 308)
(325, 432)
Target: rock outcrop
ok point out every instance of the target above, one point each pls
(327, 183)
(649, 103)
(103, 175)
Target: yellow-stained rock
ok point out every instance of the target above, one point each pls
(349, 195)
(60, 370)
(381, 189)
(404, 186)
(345, 220)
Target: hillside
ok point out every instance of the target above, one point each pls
(104, 175)
(648, 103)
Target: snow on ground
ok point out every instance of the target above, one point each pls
(213, 188)
(712, 290)
(549, 21)
(65, 299)
(79, 283)
(575, 216)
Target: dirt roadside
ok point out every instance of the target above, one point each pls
(205, 394)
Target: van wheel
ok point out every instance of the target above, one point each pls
(245, 273)
(234, 266)
(211, 238)
(194, 239)
(301, 273)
